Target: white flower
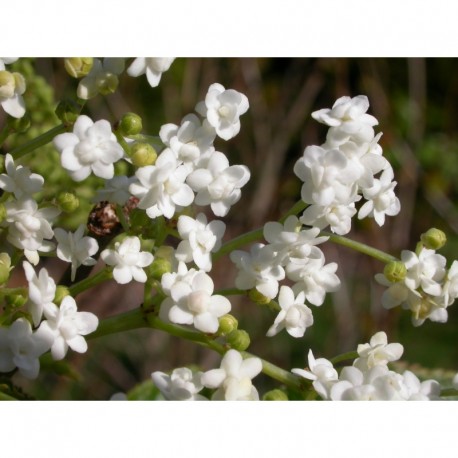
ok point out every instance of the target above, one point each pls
(152, 66)
(199, 240)
(377, 352)
(75, 248)
(338, 217)
(218, 184)
(28, 227)
(450, 287)
(161, 187)
(233, 378)
(258, 269)
(66, 326)
(313, 276)
(12, 86)
(223, 109)
(189, 140)
(101, 75)
(92, 147)
(128, 260)
(321, 372)
(182, 274)
(289, 241)
(116, 190)
(42, 289)
(181, 385)
(295, 316)
(381, 199)
(21, 348)
(19, 180)
(193, 303)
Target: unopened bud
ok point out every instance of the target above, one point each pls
(68, 111)
(68, 202)
(78, 66)
(5, 267)
(7, 84)
(238, 340)
(107, 83)
(18, 125)
(159, 267)
(15, 300)
(227, 324)
(275, 395)
(130, 124)
(258, 298)
(395, 271)
(433, 239)
(143, 154)
(61, 292)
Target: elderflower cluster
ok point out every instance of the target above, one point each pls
(345, 169)
(369, 378)
(427, 289)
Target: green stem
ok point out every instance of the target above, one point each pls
(231, 292)
(361, 247)
(5, 397)
(122, 142)
(134, 319)
(42, 140)
(239, 241)
(90, 282)
(344, 357)
(449, 392)
(294, 210)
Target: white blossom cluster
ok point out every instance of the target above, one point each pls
(231, 382)
(345, 169)
(428, 289)
(369, 378)
(55, 328)
(291, 253)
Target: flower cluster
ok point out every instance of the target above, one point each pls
(427, 288)
(369, 378)
(340, 172)
(232, 381)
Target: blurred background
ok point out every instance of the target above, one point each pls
(415, 101)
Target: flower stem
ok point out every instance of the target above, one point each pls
(361, 247)
(449, 392)
(344, 357)
(294, 210)
(90, 282)
(41, 140)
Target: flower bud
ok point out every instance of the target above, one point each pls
(68, 202)
(5, 267)
(433, 239)
(143, 154)
(61, 292)
(227, 324)
(68, 111)
(275, 395)
(15, 300)
(257, 297)
(395, 271)
(238, 340)
(159, 267)
(77, 67)
(130, 124)
(107, 83)
(7, 84)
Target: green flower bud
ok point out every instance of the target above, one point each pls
(433, 239)
(238, 340)
(257, 297)
(68, 111)
(275, 395)
(5, 267)
(18, 125)
(61, 292)
(130, 124)
(107, 83)
(7, 84)
(143, 154)
(77, 67)
(2, 212)
(395, 271)
(15, 300)
(227, 324)
(68, 202)
(159, 267)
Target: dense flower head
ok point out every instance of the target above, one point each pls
(91, 147)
